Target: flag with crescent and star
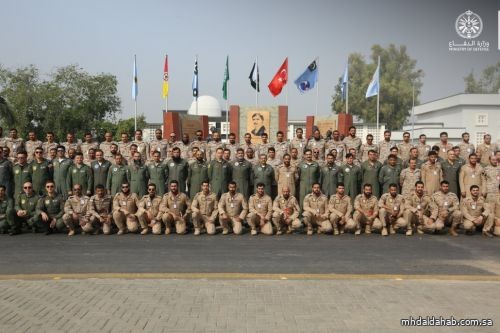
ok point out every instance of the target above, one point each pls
(226, 78)
(165, 78)
(308, 79)
(279, 80)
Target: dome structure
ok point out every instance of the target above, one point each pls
(207, 106)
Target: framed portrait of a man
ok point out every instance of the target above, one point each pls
(258, 122)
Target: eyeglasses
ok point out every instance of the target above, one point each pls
(39, 152)
(49, 186)
(27, 187)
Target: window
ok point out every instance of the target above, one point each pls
(479, 138)
(481, 119)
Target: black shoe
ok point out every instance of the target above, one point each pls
(13, 232)
(48, 232)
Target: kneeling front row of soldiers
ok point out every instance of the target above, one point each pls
(175, 212)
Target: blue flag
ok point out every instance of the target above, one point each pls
(374, 86)
(135, 89)
(345, 80)
(195, 79)
(308, 79)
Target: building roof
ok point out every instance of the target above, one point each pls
(459, 100)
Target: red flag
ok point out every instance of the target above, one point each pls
(279, 80)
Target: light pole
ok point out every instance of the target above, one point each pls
(413, 106)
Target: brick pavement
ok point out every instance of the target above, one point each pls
(201, 305)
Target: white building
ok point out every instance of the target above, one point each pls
(477, 114)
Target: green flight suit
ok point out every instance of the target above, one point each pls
(350, 175)
(219, 174)
(450, 173)
(265, 175)
(117, 175)
(158, 175)
(138, 179)
(242, 175)
(100, 172)
(177, 169)
(40, 173)
(27, 203)
(369, 175)
(6, 215)
(22, 174)
(81, 175)
(60, 176)
(54, 208)
(387, 176)
(197, 173)
(309, 173)
(329, 176)
(6, 176)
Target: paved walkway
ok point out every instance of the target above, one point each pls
(202, 305)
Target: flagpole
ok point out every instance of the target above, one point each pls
(347, 91)
(378, 99)
(317, 85)
(135, 99)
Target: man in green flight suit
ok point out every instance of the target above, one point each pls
(117, 175)
(309, 174)
(6, 212)
(158, 173)
(241, 171)
(177, 169)
(263, 173)
(138, 175)
(389, 174)
(41, 171)
(198, 172)
(369, 172)
(60, 167)
(350, 175)
(22, 172)
(219, 173)
(80, 173)
(50, 210)
(100, 168)
(25, 207)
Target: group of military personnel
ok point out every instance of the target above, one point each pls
(332, 186)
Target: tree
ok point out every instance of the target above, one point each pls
(69, 100)
(122, 126)
(398, 75)
(488, 83)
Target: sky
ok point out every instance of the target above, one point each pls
(103, 36)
